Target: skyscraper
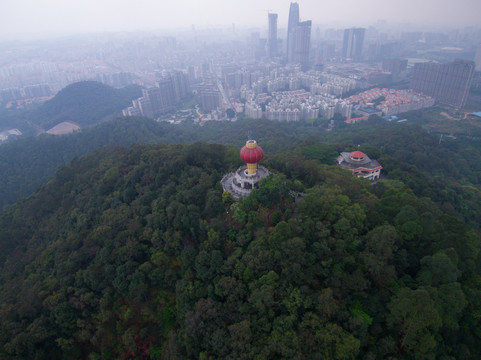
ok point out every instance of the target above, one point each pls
(303, 44)
(298, 38)
(353, 42)
(170, 89)
(291, 31)
(448, 83)
(272, 36)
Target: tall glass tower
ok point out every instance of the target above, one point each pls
(272, 36)
(291, 31)
(353, 42)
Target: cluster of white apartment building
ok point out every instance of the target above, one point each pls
(295, 105)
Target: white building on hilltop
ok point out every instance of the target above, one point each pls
(360, 164)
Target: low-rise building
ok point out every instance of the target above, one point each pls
(360, 164)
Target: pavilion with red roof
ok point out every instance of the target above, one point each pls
(360, 164)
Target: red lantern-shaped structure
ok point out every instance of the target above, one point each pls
(251, 154)
(241, 182)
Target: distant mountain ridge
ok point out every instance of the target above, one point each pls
(85, 103)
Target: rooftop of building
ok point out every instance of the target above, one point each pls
(357, 159)
(392, 97)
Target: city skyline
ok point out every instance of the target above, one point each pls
(59, 18)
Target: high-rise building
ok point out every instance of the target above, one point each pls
(143, 104)
(162, 98)
(291, 30)
(353, 42)
(303, 44)
(298, 38)
(477, 58)
(210, 98)
(272, 36)
(181, 85)
(170, 90)
(448, 83)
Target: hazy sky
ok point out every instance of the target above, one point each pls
(63, 17)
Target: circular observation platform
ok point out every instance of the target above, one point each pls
(241, 183)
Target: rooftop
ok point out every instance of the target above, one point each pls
(346, 161)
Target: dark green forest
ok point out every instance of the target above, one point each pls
(29, 162)
(115, 250)
(449, 172)
(136, 254)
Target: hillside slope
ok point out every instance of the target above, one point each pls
(86, 103)
(28, 163)
(137, 254)
(448, 173)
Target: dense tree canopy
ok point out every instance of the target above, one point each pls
(447, 172)
(137, 254)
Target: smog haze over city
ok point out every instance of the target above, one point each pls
(323, 63)
(59, 17)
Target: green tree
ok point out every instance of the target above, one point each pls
(414, 318)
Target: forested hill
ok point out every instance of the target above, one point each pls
(449, 173)
(27, 163)
(137, 254)
(86, 103)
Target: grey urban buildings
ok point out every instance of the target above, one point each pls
(272, 36)
(448, 83)
(395, 66)
(171, 88)
(353, 43)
